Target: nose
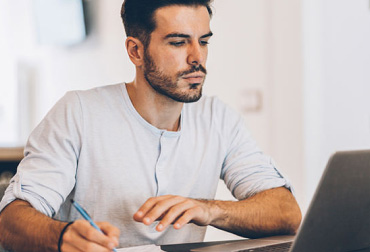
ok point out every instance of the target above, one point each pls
(196, 54)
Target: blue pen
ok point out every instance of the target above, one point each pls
(86, 217)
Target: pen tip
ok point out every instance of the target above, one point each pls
(72, 201)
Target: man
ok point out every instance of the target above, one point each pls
(151, 150)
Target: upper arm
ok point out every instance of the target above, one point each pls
(246, 169)
(46, 175)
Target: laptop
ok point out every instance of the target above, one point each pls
(338, 218)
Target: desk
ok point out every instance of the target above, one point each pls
(186, 247)
(10, 158)
(14, 153)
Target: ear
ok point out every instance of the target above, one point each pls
(135, 50)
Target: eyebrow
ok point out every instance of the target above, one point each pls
(182, 35)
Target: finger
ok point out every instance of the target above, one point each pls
(74, 241)
(143, 210)
(89, 233)
(110, 231)
(188, 215)
(80, 244)
(174, 213)
(70, 241)
(160, 208)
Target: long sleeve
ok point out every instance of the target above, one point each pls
(46, 175)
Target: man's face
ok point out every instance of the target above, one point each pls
(174, 62)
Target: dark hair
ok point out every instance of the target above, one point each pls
(138, 15)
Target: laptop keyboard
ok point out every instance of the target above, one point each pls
(281, 247)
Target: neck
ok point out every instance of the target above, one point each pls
(157, 109)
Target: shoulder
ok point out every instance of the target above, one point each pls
(95, 98)
(103, 92)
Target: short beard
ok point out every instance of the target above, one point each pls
(163, 84)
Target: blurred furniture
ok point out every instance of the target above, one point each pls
(9, 160)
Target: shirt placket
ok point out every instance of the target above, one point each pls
(163, 160)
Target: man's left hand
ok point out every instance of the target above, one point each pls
(271, 212)
(176, 210)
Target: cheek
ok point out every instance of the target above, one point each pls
(176, 57)
(205, 55)
(172, 62)
(175, 63)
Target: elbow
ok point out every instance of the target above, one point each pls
(292, 226)
(297, 222)
(292, 220)
(2, 231)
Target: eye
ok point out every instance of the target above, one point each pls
(204, 43)
(177, 43)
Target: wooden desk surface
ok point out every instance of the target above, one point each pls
(11, 154)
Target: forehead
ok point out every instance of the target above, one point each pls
(192, 20)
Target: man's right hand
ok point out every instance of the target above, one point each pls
(23, 228)
(81, 236)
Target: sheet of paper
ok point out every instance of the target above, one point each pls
(145, 248)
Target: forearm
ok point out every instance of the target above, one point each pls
(23, 228)
(270, 212)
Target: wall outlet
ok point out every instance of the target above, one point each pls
(251, 100)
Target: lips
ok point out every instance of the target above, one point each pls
(194, 78)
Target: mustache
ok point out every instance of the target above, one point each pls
(198, 68)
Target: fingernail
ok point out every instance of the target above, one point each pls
(177, 226)
(160, 227)
(140, 213)
(111, 245)
(146, 220)
(116, 240)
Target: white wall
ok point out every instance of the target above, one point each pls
(286, 91)
(337, 81)
(8, 71)
(53, 70)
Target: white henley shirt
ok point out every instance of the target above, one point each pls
(94, 147)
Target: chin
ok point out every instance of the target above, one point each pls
(195, 86)
(189, 98)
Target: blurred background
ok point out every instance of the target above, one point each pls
(298, 70)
